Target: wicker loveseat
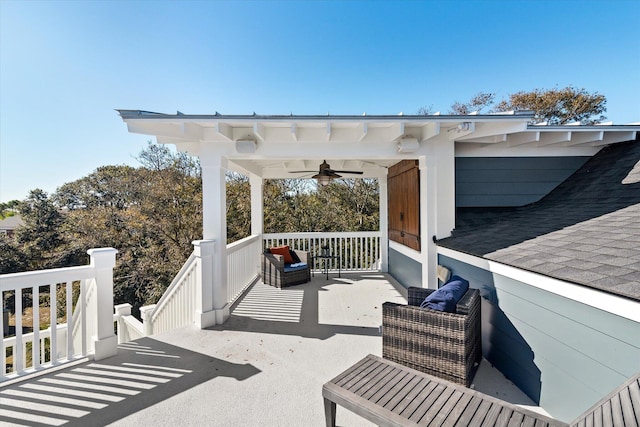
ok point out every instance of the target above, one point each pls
(276, 273)
(446, 345)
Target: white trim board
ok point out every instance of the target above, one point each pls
(592, 297)
(406, 251)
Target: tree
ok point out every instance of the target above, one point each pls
(479, 101)
(554, 106)
(41, 235)
(559, 106)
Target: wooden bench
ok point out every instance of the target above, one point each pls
(389, 394)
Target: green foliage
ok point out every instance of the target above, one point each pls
(152, 213)
(13, 259)
(41, 235)
(293, 205)
(9, 208)
(238, 207)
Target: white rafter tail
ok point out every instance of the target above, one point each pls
(364, 128)
(224, 130)
(429, 131)
(516, 139)
(259, 132)
(294, 132)
(397, 131)
(579, 138)
(550, 138)
(328, 131)
(612, 138)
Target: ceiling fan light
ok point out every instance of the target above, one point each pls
(324, 180)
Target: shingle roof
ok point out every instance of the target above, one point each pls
(586, 231)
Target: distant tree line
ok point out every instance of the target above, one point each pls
(152, 213)
(557, 106)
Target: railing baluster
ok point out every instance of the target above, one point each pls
(70, 351)
(18, 365)
(35, 345)
(53, 322)
(83, 317)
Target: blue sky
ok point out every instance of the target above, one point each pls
(65, 66)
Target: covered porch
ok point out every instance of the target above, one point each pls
(280, 147)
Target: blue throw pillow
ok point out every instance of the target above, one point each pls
(296, 266)
(446, 298)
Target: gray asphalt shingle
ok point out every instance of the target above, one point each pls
(586, 231)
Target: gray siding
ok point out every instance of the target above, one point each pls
(405, 270)
(510, 181)
(564, 354)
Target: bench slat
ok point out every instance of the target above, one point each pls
(390, 394)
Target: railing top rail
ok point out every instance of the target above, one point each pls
(242, 243)
(320, 234)
(27, 279)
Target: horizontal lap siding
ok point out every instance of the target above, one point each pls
(510, 181)
(573, 354)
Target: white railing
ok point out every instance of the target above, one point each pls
(176, 307)
(351, 251)
(129, 328)
(243, 265)
(26, 351)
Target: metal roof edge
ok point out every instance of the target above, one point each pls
(141, 114)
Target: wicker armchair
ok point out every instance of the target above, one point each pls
(446, 345)
(274, 274)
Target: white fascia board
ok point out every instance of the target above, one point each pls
(470, 149)
(604, 301)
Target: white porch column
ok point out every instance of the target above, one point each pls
(384, 224)
(214, 227)
(257, 204)
(445, 220)
(428, 209)
(103, 261)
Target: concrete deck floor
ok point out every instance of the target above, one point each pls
(264, 367)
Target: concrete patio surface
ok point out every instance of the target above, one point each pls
(264, 367)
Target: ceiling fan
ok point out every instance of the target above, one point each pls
(326, 174)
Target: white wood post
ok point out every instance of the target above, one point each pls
(204, 251)
(428, 209)
(103, 260)
(257, 204)
(147, 323)
(214, 217)
(384, 224)
(445, 188)
(257, 211)
(122, 310)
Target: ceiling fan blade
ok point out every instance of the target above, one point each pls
(351, 172)
(302, 171)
